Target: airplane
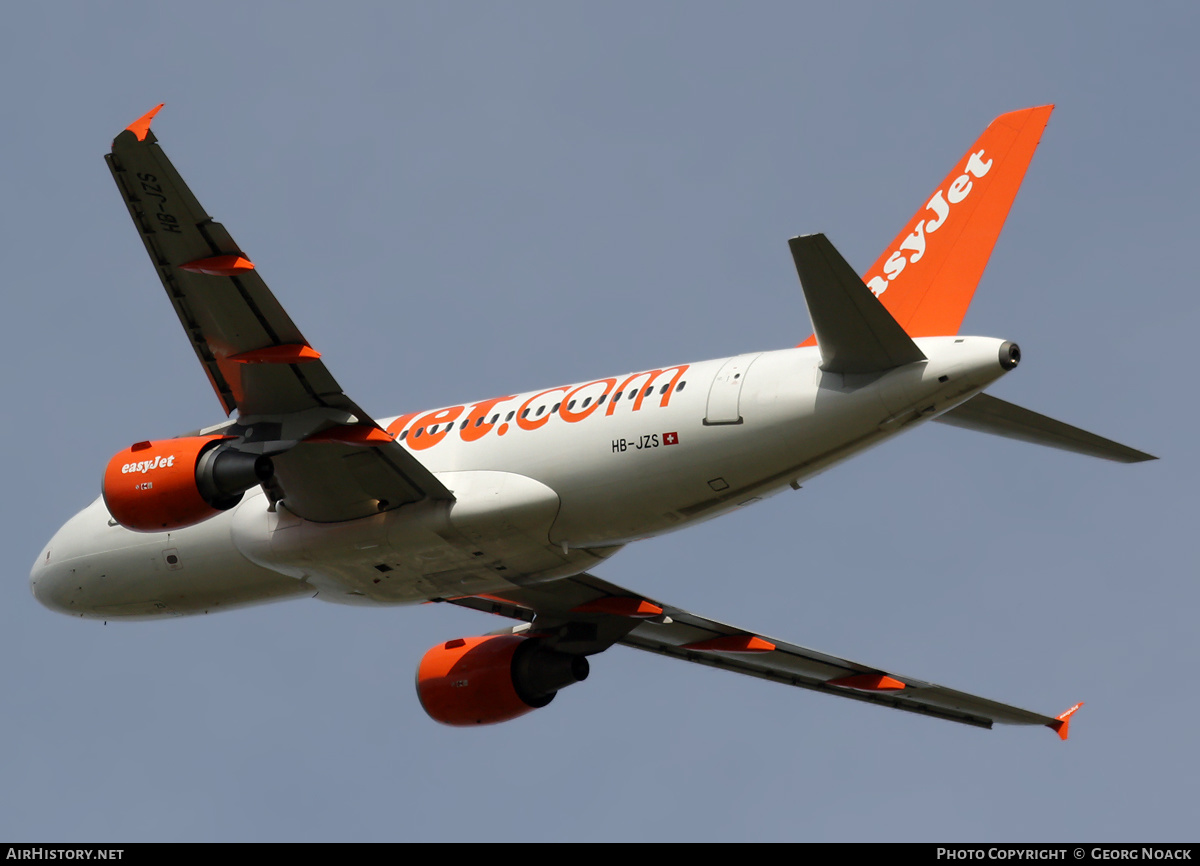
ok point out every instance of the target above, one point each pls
(507, 505)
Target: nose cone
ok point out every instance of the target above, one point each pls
(48, 590)
(35, 573)
(49, 584)
(63, 577)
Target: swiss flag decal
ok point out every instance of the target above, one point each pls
(670, 438)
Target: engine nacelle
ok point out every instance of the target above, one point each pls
(484, 680)
(172, 483)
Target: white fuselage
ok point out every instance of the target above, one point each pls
(546, 484)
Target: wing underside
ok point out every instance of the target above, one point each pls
(584, 614)
(332, 460)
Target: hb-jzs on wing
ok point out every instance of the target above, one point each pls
(506, 504)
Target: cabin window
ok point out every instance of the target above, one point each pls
(420, 430)
(617, 396)
(555, 409)
(404, 435)
(601, 400)
(540, 410)
(679, 387)
(509, 416)
(571, 405)
(525, 414)
(664, 389)
(587, 402)
(495, 418)
(463, 426)
(478, 421)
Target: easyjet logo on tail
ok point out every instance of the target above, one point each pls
(942, 204)
(934, 264)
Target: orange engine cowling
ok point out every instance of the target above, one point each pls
(172, 483)
(484, 680)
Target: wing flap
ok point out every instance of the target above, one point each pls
(328, 482)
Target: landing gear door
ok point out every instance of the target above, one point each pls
(726, 390)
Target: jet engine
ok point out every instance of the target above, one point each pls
(172, 483)
(484, 680)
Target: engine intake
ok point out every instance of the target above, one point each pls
(490, 679)
(172, 483)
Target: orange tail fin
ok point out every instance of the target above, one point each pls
(927, 276)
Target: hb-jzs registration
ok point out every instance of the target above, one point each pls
(506, 505)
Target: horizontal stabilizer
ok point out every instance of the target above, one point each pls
(854, 331)
(988, 414)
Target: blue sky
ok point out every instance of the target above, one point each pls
(460, 200)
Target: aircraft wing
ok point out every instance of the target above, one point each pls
(584, 614)
(332, 461)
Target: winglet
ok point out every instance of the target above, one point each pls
(141, 126)
(1063, 721)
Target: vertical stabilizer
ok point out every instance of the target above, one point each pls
(927, 276)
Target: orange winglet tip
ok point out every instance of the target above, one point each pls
(141, 126)
(294, 353)
(638, 608)
(1062, 722)
(352, 434)
(868, 683)
(219, 266)
(733, 643)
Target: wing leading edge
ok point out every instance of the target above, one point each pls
(332, 460)
(584, 614)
